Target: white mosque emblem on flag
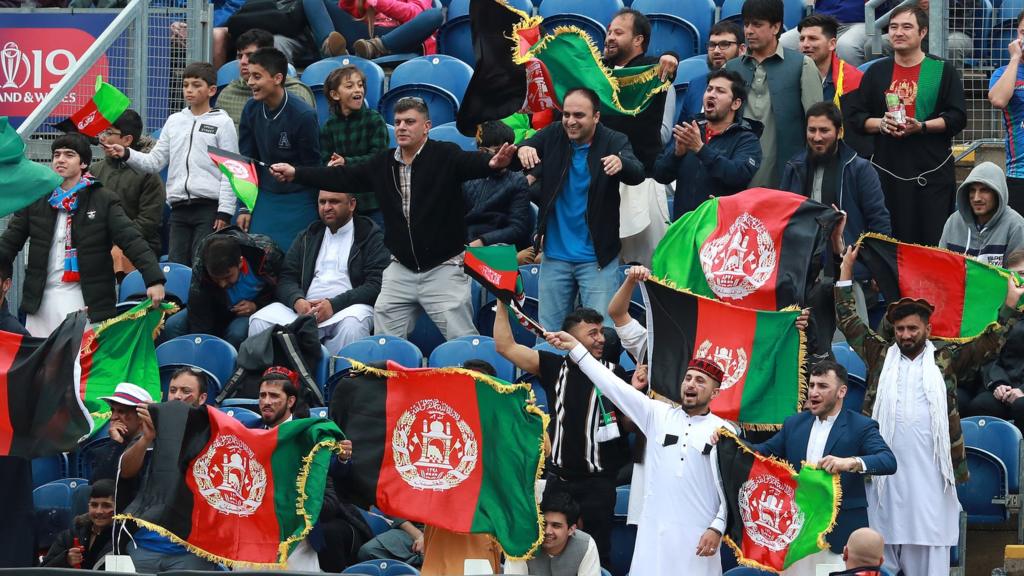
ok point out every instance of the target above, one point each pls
(740, 261)
(230, 478)
(771, 518)
(433, 447)
(732, 362)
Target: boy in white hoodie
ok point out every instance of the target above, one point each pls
(200, 196)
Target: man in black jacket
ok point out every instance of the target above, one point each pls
(332, 271)
(418, 186)
(581, 164)
(71, 232)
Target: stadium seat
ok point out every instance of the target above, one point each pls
(983, 48)
(381, 348)
(1004, 31)
(449, 133)
(425, 334)
(999, 437)
(850, 360)
(623, 535)
(214, 356)
(381, 568)
(455, 352)
(530, 276)
(792, 14)
(247, 403)
(443, 105)
(87, 454)
(856, 389)
(731, 10)
(605, 572)
(864, 67)
(376, 521)
(622, 501)
(247, 417)
(49, 468)
(133, 287)
(460, 8)
(229, 71)
(983, 497)
(318, 412)
(392, 143)
(485, 321)
(316, 73)
(601, 11)
(699, 13)
(455, 39)
(591, 27)
(438, 70)
(79, 496)
(179, 280)
(673, 34)
(52, 504)
(689, 69)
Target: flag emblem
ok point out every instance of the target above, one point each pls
(740, 261)
(434, 447)
(733, 362)
(770, 515)
(230, 477)
(237, 168)
(87, 120)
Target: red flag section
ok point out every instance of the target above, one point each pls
(725, 334)
(918, 267)
(10, 343)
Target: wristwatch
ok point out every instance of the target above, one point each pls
(924, 127)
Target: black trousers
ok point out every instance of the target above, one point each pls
(189, 224)
(596, 498)
(1015, 186)
(985, 404)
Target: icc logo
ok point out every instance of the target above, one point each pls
(14, 66)
(18, 67)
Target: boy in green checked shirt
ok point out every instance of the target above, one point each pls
(354, 132)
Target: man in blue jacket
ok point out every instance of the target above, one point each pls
(841, 442)
(717, 153)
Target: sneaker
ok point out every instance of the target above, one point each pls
(334, 45)
(370, 49)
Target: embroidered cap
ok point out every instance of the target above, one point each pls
(707, 367)
(280, 373)
(905, 302)
(128, 394)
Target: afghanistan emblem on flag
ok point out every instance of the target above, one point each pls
(240, 172)
(967, 294)
(776, 515)
(451, 447)
(756, 248)
(106, 106)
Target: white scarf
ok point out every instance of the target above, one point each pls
(884, 411)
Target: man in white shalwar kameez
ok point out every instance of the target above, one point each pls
(684, 513)
(912, 394)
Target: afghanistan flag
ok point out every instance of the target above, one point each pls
(967, 294)
(121, 350)
(240, 172)
(40, 411)
(106, 106)
(497, 269)
(233, 495)
(776, 515)
(757, 249)
(760, 353)
(449, 447)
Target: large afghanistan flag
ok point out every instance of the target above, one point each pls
(40, 411)
(967, 294)
(121, 350)
(760, 353)
(757, 248)
(233, 495)
(450, 447)
(776, 515)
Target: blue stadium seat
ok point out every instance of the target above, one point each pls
(455, 352)
(731, 10)
(318, 412)
(425, 334)
(376, 520)
(323, 369)
(381, 568)
(699, 13)
(52, 504)
(229, 71)
(316, 73)
(132, 287)
(623, 535)
(622, 501)
(392, 143)
(455, 39)
(247, 403)
(443, 105)
(449, 133)
(601, 11)
(605, 572)
(983, 497)
(590, 26)
(179, 280)
(460, 8)
(79, 495)
(688, 70)
(999, 437)
(247, 417)
(530, 276)
(864, 67)
(381, 348)
(485, 321)
(983, 48)
(87, 454)
(214, 356)
(856, 389)
(49, 468)
(670, 33)
(438, 70)
(792, 13)
(850, 360)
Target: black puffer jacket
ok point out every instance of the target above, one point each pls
(99, 223)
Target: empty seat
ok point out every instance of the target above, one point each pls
(247, 417)
(382, 348)
(456, 352)
(442, 104)
(449, 133)
(381, 568)
(699, 13)
(850, 360)
(48, 468)
(529, 274)
(425, 334)
(52, 503)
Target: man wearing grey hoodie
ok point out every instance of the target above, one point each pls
(984, 225)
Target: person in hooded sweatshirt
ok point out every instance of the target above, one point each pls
(984, 225)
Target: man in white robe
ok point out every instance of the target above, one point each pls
(684, 514)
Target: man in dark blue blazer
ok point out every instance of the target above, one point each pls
(840, 441)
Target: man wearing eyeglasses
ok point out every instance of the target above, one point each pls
(725, 42)
(419, 188)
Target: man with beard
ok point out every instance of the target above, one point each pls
(912, 395)
(717, 153)
(680, 529)
(725, 42)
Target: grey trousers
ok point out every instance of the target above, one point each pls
(443, 292)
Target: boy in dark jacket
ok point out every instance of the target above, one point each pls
(332, 271)
(91, 530)
(71, 232)
(497, 207)
(234, 275)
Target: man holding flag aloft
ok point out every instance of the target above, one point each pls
(912, 394)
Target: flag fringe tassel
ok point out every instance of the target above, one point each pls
(501, 387)
(283, 547)
(166, 309)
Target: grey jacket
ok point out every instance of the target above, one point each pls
(994, 241)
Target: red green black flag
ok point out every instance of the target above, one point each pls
(240, 172)
(967, 294)
(105, 107)
(760, 353)
(450, 447)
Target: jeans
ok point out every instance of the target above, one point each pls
(325, 16)
(561, 281)
(189, 225)
(177, 325)
(150, 562)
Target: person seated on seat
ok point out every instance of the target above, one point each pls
(984, 225)
(497, 207)
(863, 554)
(394, 26)
(567, 550)
(88, 540)
(333, 271)
(128, 453)
(188, 384)
(234, 275)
